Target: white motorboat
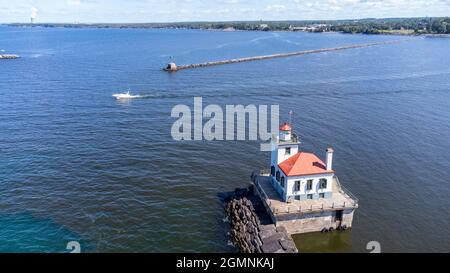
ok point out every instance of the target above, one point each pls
(127, 95)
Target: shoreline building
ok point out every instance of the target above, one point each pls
(301, 192)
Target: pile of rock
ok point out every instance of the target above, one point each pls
(245, 226)
(247, 233)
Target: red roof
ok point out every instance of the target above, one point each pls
(303, 164)
(285, 127)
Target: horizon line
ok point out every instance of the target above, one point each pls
(229, 21)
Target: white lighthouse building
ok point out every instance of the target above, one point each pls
(298, 175)
(301, 192)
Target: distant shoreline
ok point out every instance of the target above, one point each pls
(432, 27)
(222, 30)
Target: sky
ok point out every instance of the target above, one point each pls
(139, 11)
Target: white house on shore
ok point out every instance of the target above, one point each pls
(298, 175)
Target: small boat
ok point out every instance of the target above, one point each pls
(127, 95)
(9, 56)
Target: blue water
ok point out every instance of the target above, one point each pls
(22, 233)
(77, 164)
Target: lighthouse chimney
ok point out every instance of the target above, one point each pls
(329, 161)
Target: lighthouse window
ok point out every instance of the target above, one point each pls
(288, 151)
(278, 176)
(309, 185)
(282, 182)
(323, 184)
(297, 186)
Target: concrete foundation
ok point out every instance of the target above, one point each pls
(309, 215)
(314, 222)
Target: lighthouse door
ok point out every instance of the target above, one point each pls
(338, 216)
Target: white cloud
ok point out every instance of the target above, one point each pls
(275, 8)
(73, 2)
(224, 11)
(215, 10)
(34, 12)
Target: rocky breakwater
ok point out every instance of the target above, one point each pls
(251, 227)
(9, 56)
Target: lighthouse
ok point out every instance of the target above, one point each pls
(302, 192)
(299, 175)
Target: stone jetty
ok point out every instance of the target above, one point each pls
(172, 67)
(9, 56)
(251, 228)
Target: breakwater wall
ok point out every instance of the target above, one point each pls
(173, 67)
(252, 231)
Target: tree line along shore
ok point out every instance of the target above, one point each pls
(405, 26)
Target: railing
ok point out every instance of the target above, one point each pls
(260, 189)
(312, 208)
(293, 140)
(346, 191)
(306, 208)
(263, 194)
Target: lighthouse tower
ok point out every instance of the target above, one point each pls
(285, 145)
(298, 175)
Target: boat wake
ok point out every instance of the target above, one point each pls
(126, 96)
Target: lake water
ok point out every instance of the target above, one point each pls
(75, 164)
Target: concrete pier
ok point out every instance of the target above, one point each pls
(172, 67)
(307, 215)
